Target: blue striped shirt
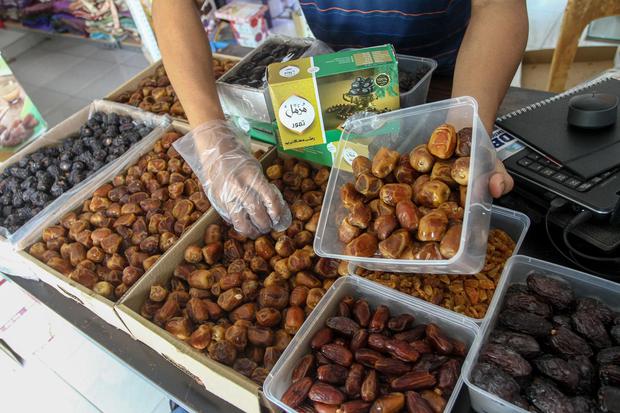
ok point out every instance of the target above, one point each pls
(426, 28)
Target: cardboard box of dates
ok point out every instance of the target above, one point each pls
(103, 240)
(551, 343)
(466, 294)
(369, 348)
(49, 173)
(223, 307)
(409, 191)
(150, 89)
(243, 89)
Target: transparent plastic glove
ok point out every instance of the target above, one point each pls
(233, 179)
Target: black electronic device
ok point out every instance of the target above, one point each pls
(600, 194)
(592, 111)
(588, 150)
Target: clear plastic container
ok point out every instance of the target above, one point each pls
(402, 130)
(279, 378)
(515, 272)
(412, 64)
(512, 222)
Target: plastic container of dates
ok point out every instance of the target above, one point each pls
(454, 326)
(401, 131)
(243, 89)
(516, 272)
(421, 69)
(514, 223)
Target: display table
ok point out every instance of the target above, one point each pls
(179, 386)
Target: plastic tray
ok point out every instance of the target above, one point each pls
(512, 222)
(279, 378)
(402, 130)
(417, 94)
(515, 272)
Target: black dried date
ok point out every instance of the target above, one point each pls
(564, 341)
(589, 326)
(556, 292)
(507, 359)
(563, 373)
(529, 303)
(494, 380)
(546, 397)
(526, 323)
(523, 344)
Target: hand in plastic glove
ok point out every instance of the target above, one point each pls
(233, 179)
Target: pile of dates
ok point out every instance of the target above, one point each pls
(126, 225)
(553, 352)
(466, 294)
(37, 179)
(252, 73)
(155, 93)
(408, 206)
(242, 300)
(365, 361)
(408, 80)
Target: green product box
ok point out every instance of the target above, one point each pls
(312, 97)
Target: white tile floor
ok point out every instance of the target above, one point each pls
(63, 75)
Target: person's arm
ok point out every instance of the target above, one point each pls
(186, 55)
(487, 61)
(232, 178)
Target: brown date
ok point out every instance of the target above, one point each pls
(368, 357)
(353, 383)
(438, 340)
(414, 380)
(361, 165)
(325, 393)
(332, 374)
(359, 340)
(379, 319)
(359, 216)
(348, 232)
(421, 159)
(394, 245)
(432, 226)
(390, 366)
(384, 225)
(392, 194)
(370, 387)
(416, 403)
(321, 337)
(384, 162)
(451, 241)
(343, 325)
(304, 368)
(442, 142)
(437, 402)
(354, 406)
(338, 354)
(364, 245)
(361, 312)
(463, 144)
(368, 185)
(297, 392)
(460, 171)
(507, 359)
(389, 403)
(349, 195)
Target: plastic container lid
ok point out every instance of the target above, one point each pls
(402, 130)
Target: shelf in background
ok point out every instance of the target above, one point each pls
(18, 26)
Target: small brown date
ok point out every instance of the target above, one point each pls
(325, 393)
(432, 193)
(361, 312)
(368, 185)
(438, 340)
(421, 159)
(432, 226)
(442, 142)
(384, 225)
(364, 245)
(349, 195)
(416, 403)
(348, 232)
(338, 354)
(320, 338)
(370, 387)
(463, 144)
(353, 383)
(359, 340)
(389, 403)
(361, 165)
(392, 194)
(379, 319)
(304, 368)
(332, 374)
(384, 162)
(451, 241)
(368, 357)
(297, 392)
(394, 245)
(460, 171)
(390, 366)
(414, 380)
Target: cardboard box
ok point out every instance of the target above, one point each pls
(312, 97)
(133, 83)
(247, 20)
(99, 305)
(217, 378)
(20, 238)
